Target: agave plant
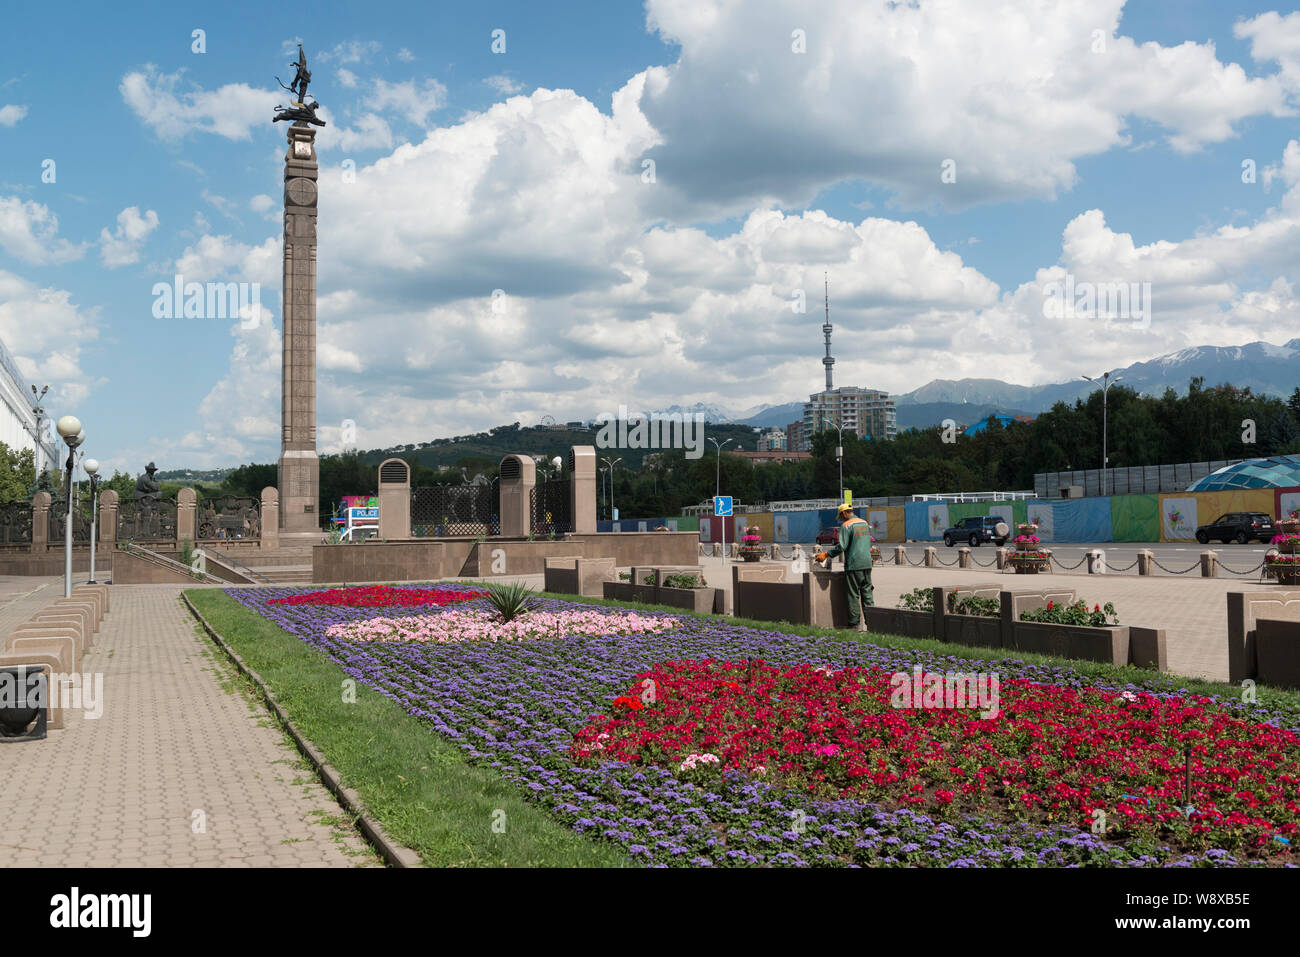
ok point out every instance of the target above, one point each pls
(512, 600)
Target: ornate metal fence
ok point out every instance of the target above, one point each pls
(16, 523)
(80, 521)
(551, 507)
(227, 517)
(140, 522)
(438, 510)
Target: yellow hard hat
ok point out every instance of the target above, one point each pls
(843, 508)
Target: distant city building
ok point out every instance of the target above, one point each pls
(865, 413)
(772, 440)
(18, 422)
(761, 457)
(794, 437)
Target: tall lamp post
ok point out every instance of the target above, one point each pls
(603, 470)
(39, 412)
(92, 469)
(611, 483)
(1107, 382)
(839, 457)
(69, 428)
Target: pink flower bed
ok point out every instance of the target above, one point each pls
(480, 626)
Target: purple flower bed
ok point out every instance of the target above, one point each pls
(515, 707)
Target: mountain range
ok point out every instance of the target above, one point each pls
(1263, 367)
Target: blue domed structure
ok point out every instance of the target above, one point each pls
(1277, 471)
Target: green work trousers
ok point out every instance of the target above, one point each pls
(857, 583)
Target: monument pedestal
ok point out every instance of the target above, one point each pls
(298, 483)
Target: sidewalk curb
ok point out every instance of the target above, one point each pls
(395, 854)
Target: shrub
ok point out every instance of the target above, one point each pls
(918, 599)
(649, 579)
(625, 576)
(685, 581)
(1076, 613)
(511, 601)
(974, 605)
(187, 552)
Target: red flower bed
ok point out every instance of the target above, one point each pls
(1051, 754)
(381, 596)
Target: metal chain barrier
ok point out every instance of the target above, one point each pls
(1111, 568)
(1069, 568)
(912, 563)
(988, 564)
(1248, 571)
(942, 562)
(1170, 570)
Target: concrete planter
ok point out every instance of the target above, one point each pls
(1107, 645)
(899, 621)
(627, 591)
(974, 631)
(704, 601)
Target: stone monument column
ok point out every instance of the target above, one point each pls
(582, 488)
(299, 470)
(518, 478)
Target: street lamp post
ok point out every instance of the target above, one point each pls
(839, 457)
(611, 483)
(717, 490)
(39, 412)
(603, 470)
(1107, 382)
(69, 428)
(92, 469)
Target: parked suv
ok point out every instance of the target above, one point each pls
(975, 531)
(1239, 527)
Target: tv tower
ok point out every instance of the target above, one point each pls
(829, 360)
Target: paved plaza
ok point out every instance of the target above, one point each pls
(176, 736)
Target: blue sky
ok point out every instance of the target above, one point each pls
(524, 171)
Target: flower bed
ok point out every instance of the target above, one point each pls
(383, 596)
(1054, 753)
(517, 706)
(456, 626)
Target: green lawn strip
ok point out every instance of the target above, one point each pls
(417, 784)
(1278, 699)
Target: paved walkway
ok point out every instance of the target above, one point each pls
(175, 737)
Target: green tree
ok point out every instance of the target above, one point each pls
(17, 474)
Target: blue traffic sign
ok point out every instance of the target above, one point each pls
(722, 505)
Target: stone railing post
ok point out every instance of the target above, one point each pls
(900, 555)
(107, 530)
(963, 557)
(1001, 555)
(1209, 564)
(270, 537)
(40, 521)
(394, 499)
(931, 557)
(582, 488)
(1145, 562)
(518, 478)
(1096, 562)
(185, 500)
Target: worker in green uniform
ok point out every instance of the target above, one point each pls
(855, 546)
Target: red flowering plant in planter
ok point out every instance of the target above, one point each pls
(751, 548)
